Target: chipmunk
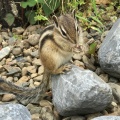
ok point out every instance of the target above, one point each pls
(55, 50)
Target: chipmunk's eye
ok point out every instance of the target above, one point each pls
(78, 31)
(76, 27)
(63, 32)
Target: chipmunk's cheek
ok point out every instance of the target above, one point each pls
(73, 45)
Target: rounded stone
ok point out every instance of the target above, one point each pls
(17, 51)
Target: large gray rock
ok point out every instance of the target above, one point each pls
(107, 118)
(109, 52)
(80, 91)
(14, 112)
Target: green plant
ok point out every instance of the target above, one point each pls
(43, 9)
(9, 18)
(92, 48)
(12, 15)
(93, 17)
(73, 4)
(86, 12)
(17, 37)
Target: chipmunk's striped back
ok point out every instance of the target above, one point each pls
(45, 34)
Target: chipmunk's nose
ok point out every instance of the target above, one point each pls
(77, 45)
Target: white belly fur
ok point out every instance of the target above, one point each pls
(61, 59)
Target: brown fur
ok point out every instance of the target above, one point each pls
(56, 44)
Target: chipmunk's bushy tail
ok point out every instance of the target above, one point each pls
(26, 95)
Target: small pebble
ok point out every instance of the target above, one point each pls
(8, 97)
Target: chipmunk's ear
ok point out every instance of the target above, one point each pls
(55, 20)
(73, 13)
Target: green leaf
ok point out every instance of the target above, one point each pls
(94, 6)
(30, 16)
(97, 20)
(9, 18)
(29, 3)
(40, 17)
(82, 18)
(92, 48)
(97, 29)
(23, 4)
(50, 6)
(40, 1)
(81, 2)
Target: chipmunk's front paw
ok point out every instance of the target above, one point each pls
(62, 69)
(66, 68)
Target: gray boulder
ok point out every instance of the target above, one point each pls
(14, 112)
(107, 118)
(109, 52)
(79, 92)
